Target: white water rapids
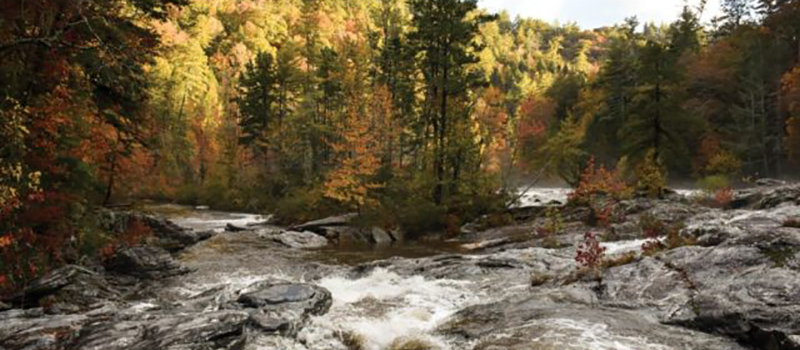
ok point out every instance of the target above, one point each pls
(381, 310)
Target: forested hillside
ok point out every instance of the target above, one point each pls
(419, 113)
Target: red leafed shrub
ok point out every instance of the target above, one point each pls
(723, 197)
(136, 232)
(652, 246)
(590, 253)
(598, 181)
(19, 260)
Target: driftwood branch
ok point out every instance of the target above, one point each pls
(538, 177)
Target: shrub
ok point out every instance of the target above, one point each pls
(652, 246)
(676, 240)
(651, 226)
(714, 183)
(621, 260)
(303, 204)
(539, 279)
(650, 176)
(723, 197)
(135, 233)
(599, 182)
(723, 163)
(780, 255)
(673, 240)
(590, 253)
(604, 214)
(717, 189)
(553, 226)
(792, 222)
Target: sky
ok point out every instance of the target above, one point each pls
(591, 14)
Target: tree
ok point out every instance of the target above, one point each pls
(791, 91)
(444, 38)
(353, 178)
(659, 122)
(268, 94)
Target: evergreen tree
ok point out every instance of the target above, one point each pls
(444, 37)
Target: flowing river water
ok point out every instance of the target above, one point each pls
(381, 308)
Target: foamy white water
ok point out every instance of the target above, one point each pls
(622, 247)
(570, 334)
(540, 196)
(216, 221)
(383, 308)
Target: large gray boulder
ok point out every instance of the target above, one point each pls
(341, 220)
(70, 289)
(301, 240)
(166, 234)
(534, 322)
(282, 307)
(145, 262)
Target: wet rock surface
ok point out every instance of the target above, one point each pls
(145, 262)
(735, 286)
(302, 240)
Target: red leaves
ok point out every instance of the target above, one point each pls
(134, 235)
(590, 254)
(597, 181)
(723, 197)
(136, 232)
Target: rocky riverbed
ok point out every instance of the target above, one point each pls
(230, 281)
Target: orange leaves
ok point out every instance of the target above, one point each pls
(492, 120)
(357, 150)
(6, 241)
(723, 197)
(536, 115)
(598, 181)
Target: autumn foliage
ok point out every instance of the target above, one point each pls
(590, 253)
(596, 182)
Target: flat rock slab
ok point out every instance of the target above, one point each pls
(283, 308)
(307, 298)
(145, 262)
(528, 323)
(341, 220)
(69, 289)
(302, 240)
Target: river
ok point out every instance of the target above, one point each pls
(388, 305)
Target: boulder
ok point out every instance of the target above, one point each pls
(166, 234)
(341, 220)
(533, 322)
(269, 295)
(209, 330)
(301, 240)
(234, 228)
(70, 289)
(145, 262)
(283, 308)
(380, 237)
(748, 292)
(768, 196)
(349, 236)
